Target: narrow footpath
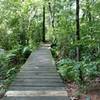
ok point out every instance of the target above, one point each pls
(38, 79)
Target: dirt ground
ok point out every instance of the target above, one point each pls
(72, 89)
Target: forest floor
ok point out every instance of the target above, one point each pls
(73, 90)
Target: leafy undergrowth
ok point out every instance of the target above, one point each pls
(80, 89)
(10, 63)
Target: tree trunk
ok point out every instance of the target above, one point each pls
(77, 29)
(78, 38)
(52, 14)
(43, 38)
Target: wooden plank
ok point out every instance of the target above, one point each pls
(36, 93)
(19, 88)
(39, 85)
(38, 98)
(38, 77)
(39, 68)
(41, 72)
(38, 80)
(37, 73)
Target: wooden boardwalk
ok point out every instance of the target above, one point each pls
(38, 79)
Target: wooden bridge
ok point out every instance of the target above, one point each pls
(38, 79)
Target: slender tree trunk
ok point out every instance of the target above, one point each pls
(52, 14)
(77, 29)
(78, 38)
(43, 24)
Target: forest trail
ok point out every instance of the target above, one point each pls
(38, 79)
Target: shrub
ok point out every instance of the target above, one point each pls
(3, 66)
(70, 70)
(26, 52)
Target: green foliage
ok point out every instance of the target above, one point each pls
(10, 64)
(26, 52)
(70, 70)
(64, 33)
(3, 66)
(21, 29)
(11, 72)
(17, 26)
(15, 56)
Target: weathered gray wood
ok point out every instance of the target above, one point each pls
(39, 68)
(41, 84)
(38, 84)
(38, 98)
(38, 79)
(19, 88)
(38, 73)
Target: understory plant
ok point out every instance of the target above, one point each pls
(10, 63)
(70, 71)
